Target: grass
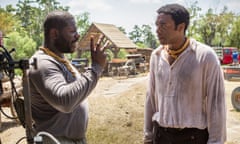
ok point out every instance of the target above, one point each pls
(117, 119)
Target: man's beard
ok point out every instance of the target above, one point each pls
(62, 45)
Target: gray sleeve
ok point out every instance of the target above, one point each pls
(50, 82)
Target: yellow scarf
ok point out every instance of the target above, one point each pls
(175, 53)
(58, 58)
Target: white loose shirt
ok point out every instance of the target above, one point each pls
(189, 93)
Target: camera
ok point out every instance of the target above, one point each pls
(22, 106)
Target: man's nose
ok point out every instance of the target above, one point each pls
(158, 30)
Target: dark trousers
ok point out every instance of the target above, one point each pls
(179, 136)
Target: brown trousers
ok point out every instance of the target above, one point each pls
(179, 136)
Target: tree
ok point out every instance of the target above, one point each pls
(213, 28)
(210, 28)
(207, 27)
(50, 5)
(24, 45)
(32, 17)
(143, 36)
(149, 39)
(223, 27)
(83, 23)
(234, 38)
(7, 21)
(136, 34)
(194, 17)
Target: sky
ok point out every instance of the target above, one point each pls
(127, 13)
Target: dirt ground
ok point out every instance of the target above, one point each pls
(118, 104)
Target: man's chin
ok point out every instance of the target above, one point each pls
(73, 48)
(163, 42)
(70, 50)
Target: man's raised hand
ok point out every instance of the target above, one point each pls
(98, 51)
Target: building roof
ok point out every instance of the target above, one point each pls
(117, 38)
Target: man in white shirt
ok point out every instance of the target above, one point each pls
(185, 101)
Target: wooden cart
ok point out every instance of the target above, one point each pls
(232, 72)
(6, 98)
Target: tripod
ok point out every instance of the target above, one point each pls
(23, 107)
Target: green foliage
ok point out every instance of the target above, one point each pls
(143, 36)
(211, 28)
(140, 45)
(110, 54)
(223, 25)
(122, 54)
(23, 44)
(83, 23)
(149, 38)
(32, 14)
(207, 28)
(87, 55)
(194, 16)
(71, 55)
(234, 38)
(7, 21)
(27, 18)
(136, 34)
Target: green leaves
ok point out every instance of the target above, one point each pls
(24, 45)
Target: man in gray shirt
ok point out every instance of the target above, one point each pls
(59, 92)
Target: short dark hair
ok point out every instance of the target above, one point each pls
(56, 19)
(179, 14)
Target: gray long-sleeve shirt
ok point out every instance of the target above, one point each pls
(59, 104)
(189, 93)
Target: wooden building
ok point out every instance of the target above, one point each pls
(118, 40)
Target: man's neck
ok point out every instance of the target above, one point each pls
(54, 50)
(178, 44)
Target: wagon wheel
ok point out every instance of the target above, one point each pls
(236, 98)
(122, 72)
(12, 107)
(110, 70)
(13, 114)
(113, 72)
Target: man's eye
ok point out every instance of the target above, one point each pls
(74, 31)
(162, 24)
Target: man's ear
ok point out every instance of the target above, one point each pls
(181, 27)
(54, 33)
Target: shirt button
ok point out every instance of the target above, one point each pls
(170, 83)
(192, 137)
